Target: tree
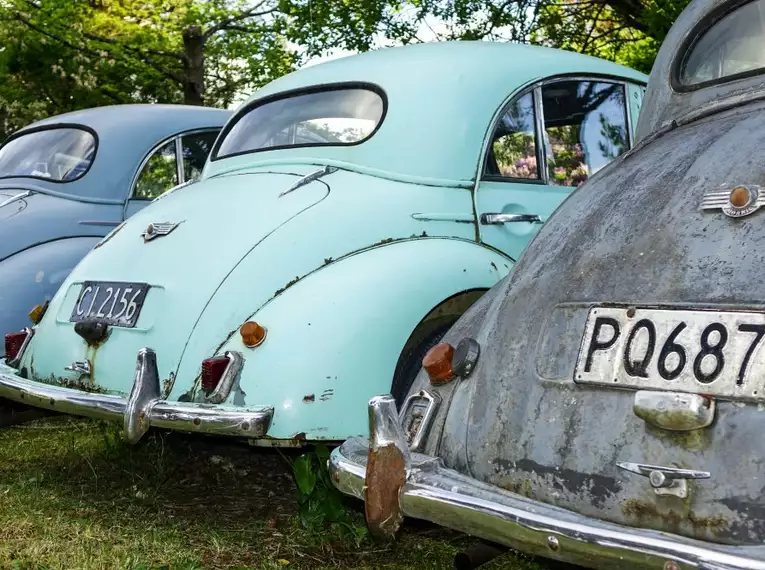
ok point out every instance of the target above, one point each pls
(61, 55)
(627, 31)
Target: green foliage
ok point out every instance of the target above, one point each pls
(320, 503)
(63, 55)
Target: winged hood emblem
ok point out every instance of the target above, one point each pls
(158, 229)
(734, 201)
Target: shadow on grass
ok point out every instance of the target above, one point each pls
(74, 495)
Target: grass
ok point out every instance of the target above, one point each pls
(73, 495)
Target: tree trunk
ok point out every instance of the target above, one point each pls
(194, 66)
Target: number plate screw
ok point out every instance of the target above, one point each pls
(553, 543)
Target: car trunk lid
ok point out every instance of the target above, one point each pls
(215, 225)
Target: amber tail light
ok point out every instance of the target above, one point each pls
(13, 344)
(212, 372)
(444, 363)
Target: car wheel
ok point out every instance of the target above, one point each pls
(409, 364)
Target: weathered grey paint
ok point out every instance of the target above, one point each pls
(634, 234)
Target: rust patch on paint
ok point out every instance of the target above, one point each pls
(386, 474)
(309, 398)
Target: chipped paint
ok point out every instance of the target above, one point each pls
(327, 394)
(308, 398)
(283, 289)
(167, 385)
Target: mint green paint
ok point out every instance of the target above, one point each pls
(374, 246)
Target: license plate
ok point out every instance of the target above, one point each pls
(717, 353)
(117, 304)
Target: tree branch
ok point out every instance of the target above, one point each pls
(226, 23)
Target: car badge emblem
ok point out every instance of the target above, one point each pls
(735, 202)
(158, 229)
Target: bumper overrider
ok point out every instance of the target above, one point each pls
(144, 408)
(395, 482)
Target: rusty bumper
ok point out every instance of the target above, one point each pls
(142, 409)
(401, 483)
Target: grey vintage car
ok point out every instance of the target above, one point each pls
(605, 403)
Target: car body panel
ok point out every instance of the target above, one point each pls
(567, 438)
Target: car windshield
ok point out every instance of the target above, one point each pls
(332, 117)
(731, 46)
(60, 154)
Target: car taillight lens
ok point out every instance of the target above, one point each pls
(438, 363)
(212, 372)
(13, 342)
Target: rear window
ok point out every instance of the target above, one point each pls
(333, 117)
(60, 154)
(731, 47)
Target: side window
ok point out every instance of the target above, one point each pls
(195, 149)
(513, 152)
(585, 128)
(159, 174)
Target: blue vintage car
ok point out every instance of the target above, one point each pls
(350, 212)
(68, 180)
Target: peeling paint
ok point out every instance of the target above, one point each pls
(287, 286)
(309, 398)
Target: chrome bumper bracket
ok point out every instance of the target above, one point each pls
(143, 396)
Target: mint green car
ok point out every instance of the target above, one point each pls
(348, 214)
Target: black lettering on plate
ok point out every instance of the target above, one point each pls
(671, 347)
(596, 344)
(715, 350)
(759, 332)
(640, 367)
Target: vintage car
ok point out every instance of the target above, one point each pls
(603, 404)
(68, 180)
(350, 212)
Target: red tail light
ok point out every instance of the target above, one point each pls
(212, 372)
(13, 342)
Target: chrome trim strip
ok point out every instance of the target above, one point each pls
(416, 432)
(19, 196)
(142, 409)
(444, 496)
(230, 374)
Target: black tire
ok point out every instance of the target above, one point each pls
(409, 364)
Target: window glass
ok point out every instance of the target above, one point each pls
(336, 117)
(159, 174)
(732, 45)
(195, 148)
(513, 152)
(60, 154)
(585, 128)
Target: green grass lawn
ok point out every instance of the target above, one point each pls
(73, 495)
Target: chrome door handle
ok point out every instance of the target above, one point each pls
(506, 218)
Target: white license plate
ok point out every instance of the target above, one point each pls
(718, 353)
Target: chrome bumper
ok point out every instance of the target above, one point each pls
(142, 409)
(430, 491)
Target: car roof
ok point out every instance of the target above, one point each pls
(442, 97)
(126, 133)
(663, 104)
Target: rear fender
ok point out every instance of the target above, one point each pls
(33, 276)
(334, 336)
